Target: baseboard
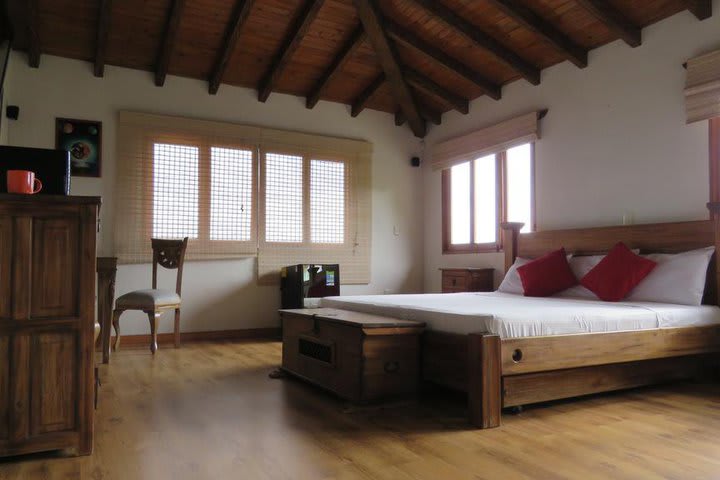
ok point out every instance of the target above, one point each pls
(271, 333)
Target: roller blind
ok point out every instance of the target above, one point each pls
(236, 191)
(487, 141)
(702, 87)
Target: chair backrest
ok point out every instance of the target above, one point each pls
(169, 254)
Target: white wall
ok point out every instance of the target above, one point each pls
(223, 294)
(614, 140)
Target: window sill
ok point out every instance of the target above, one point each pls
(470, 249)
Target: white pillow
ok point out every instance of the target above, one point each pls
(677, 278)
(580, 266)
(512, 283)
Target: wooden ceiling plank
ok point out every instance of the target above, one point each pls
(702, 9)
(426, 84)
(346, 52)
(361, 101)
(232, 34)
(473, 33)
(405, 36)
(168, 42)
(373, 23)
(103, 32)
(535, 23)
(613, 20)
(289, 46)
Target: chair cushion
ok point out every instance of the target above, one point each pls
(150, 298)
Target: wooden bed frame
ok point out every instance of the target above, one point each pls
(499, 373)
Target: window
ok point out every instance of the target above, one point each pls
(480, 194)
(290, 194)
(238, 191)
(180, 182)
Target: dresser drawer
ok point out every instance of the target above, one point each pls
(455, 281)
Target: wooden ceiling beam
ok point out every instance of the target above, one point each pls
(702, 9)
(23, 20)
(373, 23)
(428, 114)
(347, 50)
(289, 46)
(361, 101)
(613, 20)
(408, 38)
(103, 32)
(473, 33)
(232, 33)
(418, 80)
(541, 27)
(172, 25)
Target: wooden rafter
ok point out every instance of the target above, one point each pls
(613, 20)
(528, 71)
(702, 9)
(103, 32)
(289, 46)
(534, 22)
(168, 42)
(418, 80)
(23, 20)
(347, 50)
(427, 113)
(232, 34)
(408, 38)
(361, 101)
(373, 24)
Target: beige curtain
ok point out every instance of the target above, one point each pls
(493, 139)
(138, 135)
(702, 87)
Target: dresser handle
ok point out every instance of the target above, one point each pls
(454, 281)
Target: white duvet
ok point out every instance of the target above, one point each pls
(513, 316)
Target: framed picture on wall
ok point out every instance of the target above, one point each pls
(83, 139)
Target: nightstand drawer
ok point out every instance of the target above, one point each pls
(455, 281)
(467, 280)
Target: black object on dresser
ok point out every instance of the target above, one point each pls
(51, 167)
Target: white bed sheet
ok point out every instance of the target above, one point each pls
(513, 316)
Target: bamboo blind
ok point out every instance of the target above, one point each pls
(702, 87)
(236, 190)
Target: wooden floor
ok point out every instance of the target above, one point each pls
(209, 411)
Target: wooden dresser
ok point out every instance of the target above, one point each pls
(47, 302)
(467, 280)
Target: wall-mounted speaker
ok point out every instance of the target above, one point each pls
(415, 161)
(12, 112)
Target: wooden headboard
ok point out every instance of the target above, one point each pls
(649, 238)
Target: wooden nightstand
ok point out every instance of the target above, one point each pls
(467, 280)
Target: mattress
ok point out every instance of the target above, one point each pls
(514, 316)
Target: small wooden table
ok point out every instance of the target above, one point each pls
(357, 356)
(467, 280)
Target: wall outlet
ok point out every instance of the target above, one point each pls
(396, 230)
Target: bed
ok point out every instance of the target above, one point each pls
(504, 358)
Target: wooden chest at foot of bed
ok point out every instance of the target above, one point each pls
(359, 357)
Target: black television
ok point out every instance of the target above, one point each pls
(52, 167)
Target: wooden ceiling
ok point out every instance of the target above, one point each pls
(415, 58)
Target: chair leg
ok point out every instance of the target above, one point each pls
(116, 326)
(177, 328)
(152, 317)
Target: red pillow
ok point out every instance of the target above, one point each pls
(616, 274)
(547, 275)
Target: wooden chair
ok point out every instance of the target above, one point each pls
(154, 302)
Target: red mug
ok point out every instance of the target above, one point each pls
(23, 181)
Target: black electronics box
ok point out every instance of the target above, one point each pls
(52, 167)
(300, 282)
